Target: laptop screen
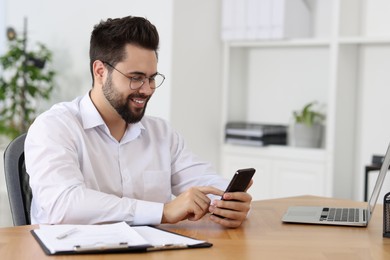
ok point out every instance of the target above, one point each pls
(379, 182)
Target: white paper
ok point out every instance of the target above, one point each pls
(88, 235)
(107, 236)
(157, 237)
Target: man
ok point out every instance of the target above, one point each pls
(98, 159)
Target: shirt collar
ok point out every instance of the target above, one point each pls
(91, 118)
(89, 114)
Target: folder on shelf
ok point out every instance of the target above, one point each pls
(258, 19)
(254, 129)
(109, 238)
(245, 133)
(227, 32)
(290, 19)
(238, 140)
(265, 19)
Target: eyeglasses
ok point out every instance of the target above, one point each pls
(136, 82)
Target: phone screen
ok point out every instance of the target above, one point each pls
(240, 180)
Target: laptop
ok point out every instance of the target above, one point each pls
(339, 216)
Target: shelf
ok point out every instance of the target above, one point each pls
(280, 151)
(281, 43)
(364, 40)
(343, 66)
(310, 42)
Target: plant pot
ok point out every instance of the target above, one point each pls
(307, 136)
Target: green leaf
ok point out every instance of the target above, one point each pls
(22, 85)
(308, 115)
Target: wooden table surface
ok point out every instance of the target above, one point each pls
(262, 236)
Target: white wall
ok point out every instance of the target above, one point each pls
(196, 75)
(65, 27)
(2, 26)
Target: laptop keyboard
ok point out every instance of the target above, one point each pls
(340, 214)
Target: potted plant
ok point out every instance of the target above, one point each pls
(24, 81)
(308, 126)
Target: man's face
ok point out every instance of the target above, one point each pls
(131, 104)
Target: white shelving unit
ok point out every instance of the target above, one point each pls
(265, 81)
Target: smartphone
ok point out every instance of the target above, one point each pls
(240, 180)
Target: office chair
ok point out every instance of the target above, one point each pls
(17, 181)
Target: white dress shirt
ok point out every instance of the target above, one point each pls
(80, 174)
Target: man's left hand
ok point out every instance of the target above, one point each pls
(233, 209)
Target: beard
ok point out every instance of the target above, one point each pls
(121, 106)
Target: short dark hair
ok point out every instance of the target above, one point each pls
(109, 38)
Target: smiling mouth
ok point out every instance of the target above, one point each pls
(138, 100)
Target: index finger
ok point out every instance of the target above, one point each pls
(238, 196)
(211, 190)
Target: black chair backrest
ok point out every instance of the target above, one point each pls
(17, 181)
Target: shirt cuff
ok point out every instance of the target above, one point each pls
(148, 213)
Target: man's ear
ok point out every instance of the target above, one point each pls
(99, 72)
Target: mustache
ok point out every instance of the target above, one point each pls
(138, 95)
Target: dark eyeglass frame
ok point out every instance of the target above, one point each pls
(134, 79)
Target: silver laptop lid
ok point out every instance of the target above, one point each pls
(379, 183)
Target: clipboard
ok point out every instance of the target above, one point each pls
(110, 238)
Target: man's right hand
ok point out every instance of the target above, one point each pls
(192, 205)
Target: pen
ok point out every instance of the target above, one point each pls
(67, 233)
(100, 247)
(167, 247)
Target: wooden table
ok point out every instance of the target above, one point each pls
(263, 236)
